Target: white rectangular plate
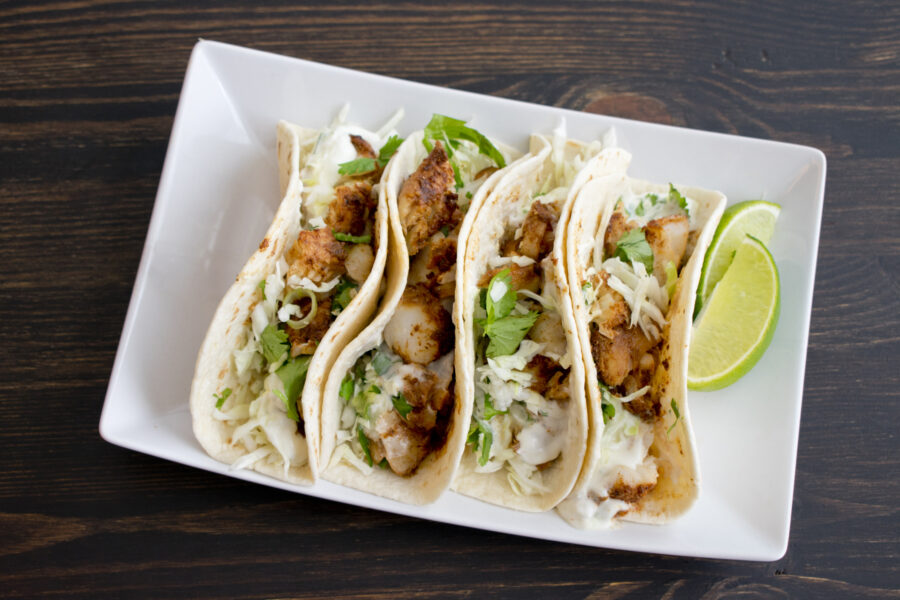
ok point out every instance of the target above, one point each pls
(219, 191)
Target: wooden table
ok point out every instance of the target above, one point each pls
(87, 95)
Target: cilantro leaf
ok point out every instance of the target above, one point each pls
(675, 410)
(487, 438)
(357, 166)
(497, 309)
(480, 431)
(220, 400)
(293, 375)
(449, 129)
(653, 199)
(472, 436)
(381, 362)
(505, 330)
(507, 333)
(363, 165)
(274, 343)
(347, 387)
(262, 287)
(389, 148)
(609, 411)
(675, 196)
(633, 247)
(383, 464)
(342, 293)
(364, 442)
(606, 405)
(353, 239)
(489, 411)
(401, 405)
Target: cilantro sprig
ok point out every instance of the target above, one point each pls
(343, 293)
(274, 343)
(633, 247)
(451, 132)
(606, 406)
(364, 442)
(481, 434)
(293, 375)
(505, 331)
(361, 166)
(676, 197)
(401, 405)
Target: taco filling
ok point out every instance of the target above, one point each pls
(312, 283)
(398, 398)
(522, 362)
(627, 289)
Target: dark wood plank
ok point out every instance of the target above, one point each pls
(87, 95)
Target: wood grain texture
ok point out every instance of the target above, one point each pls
(87, 95)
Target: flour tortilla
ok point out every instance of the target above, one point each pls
(493, 220)
(434, 474)
(678, 484)
(231, 323)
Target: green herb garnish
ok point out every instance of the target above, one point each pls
(480, 432)
(401, 405)
(293, 375)
(633, 247)
(389, 149)
(220, 400)
(357, 166)
(274, 343)
(675, 196)
(487, 438)
(364, 442)
(262, 288)
(506, 334)
(342, 293)
(361, 166)
(449, 129)
(347, 387)
(505, 331)
(606, 406)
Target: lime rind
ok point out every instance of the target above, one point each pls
(751, 217)
(711, 342)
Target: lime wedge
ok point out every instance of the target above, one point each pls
(753, 217)
(737, 325)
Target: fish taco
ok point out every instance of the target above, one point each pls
(392, 423)
(306, 292)
(634, 252)
(522, 372)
